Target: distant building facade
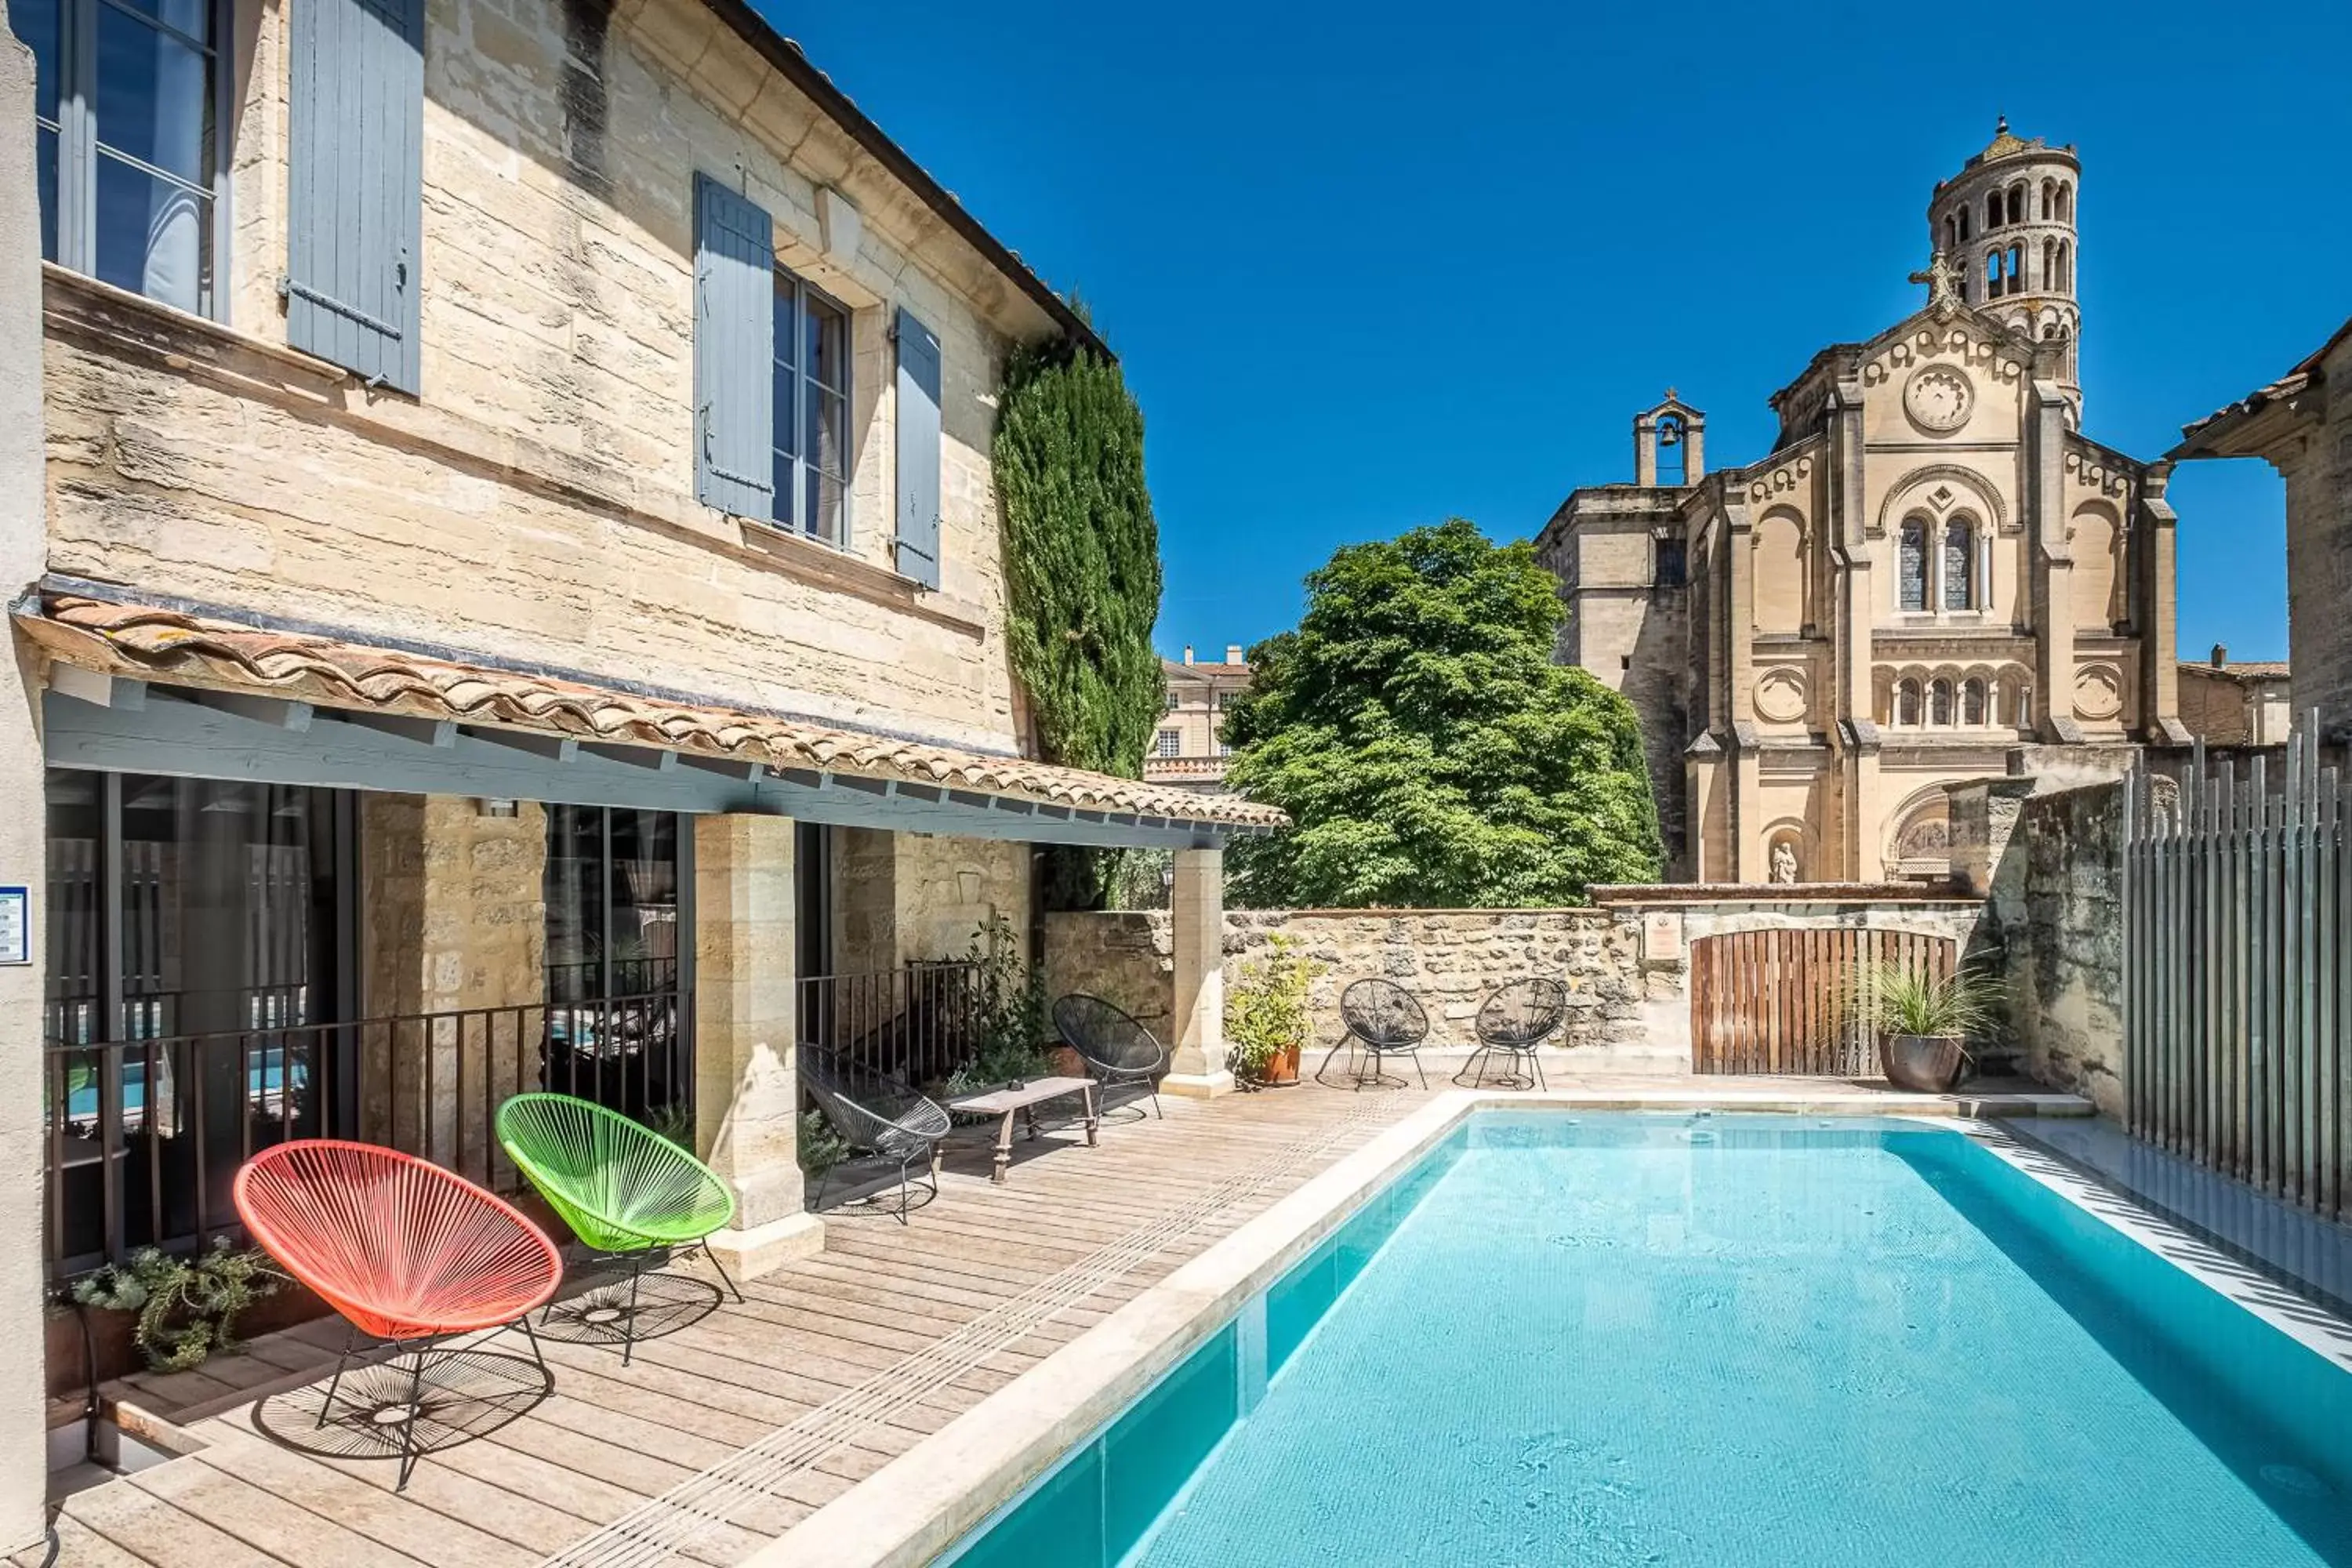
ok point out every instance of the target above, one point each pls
(1189, 748)
(1933, 567)
(2302, 425)
(2246, 703)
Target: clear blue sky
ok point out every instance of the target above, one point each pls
(1369, 266)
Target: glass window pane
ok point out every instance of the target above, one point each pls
(785, 381)
(787, 317)
(784, 476)
(644, 881)
(155, 97)
(828, 426)
(828, 358)
(45, 154)
(1960, 563)
(154, 237)
(36, 22)
(70, 1015)
(1911, 567)
(824, 493)
(192, 17)
(573, 886)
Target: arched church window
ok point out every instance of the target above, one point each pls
(2065, 266)
(1992, 274)
(1911, 565)
(2049, 199)
(2016, 268)
(1992, 209)
(1939, 704)
(2066, 202)
(1951, 231)
(1964, 225)
(2017, 202)
(1959, 566)
(1906, 704)
(1972, 701)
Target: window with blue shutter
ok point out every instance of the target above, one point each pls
(918, 451)
(734, 351)
(356, 131)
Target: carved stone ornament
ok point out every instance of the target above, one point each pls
(1942, 276)
(1938, 397)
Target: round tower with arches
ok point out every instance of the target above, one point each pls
(2007, 221)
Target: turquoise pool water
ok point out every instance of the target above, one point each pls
(1624, 1340)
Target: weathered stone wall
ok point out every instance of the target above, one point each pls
(1625, 963)
(901, 898)
(2319, 552)
(537, 503)
(24, 1094)
(2056, 909)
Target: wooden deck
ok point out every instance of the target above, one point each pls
(725, 1433)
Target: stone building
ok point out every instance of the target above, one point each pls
(1932, 567)
(2302, 425)
(2241, 703)
(505, 588)
(1189, 749)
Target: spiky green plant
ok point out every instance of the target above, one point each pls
(1897, 999)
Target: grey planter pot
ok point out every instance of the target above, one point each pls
(1926, 1064)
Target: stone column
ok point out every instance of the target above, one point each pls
(746, 1091)
(456, 913)
(23, 1468)
(1196, 904)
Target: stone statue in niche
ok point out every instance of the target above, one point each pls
(1784, 863)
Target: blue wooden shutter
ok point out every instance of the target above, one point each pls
(919, 452)
(734, 352)
(356, 125)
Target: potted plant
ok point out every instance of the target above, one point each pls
(1265, 1015)
(1924, 1022)
(187, 1307)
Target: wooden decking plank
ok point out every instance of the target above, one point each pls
(400, 1521)
(272, 1524)
(145, 1525)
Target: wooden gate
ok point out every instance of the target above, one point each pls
(1783, 1001)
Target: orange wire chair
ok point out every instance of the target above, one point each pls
(407, 1252)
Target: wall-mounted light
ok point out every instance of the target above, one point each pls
(489, 807)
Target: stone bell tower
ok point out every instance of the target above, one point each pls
(2007, 221)
(1669, 444)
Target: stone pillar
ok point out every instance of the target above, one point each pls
(746, 1087)
(23, 1469)
(1196, 904)
(454, 904)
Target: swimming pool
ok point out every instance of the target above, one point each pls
(1622, 1339)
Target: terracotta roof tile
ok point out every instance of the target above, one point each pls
(174, 648)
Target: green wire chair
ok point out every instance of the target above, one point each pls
(623, 1189)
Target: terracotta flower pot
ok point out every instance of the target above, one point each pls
(1927, 1064)
(1281, 1069)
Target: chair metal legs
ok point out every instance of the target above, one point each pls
(349, 1333)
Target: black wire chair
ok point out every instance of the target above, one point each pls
(1116, 1049)
(1384, 1019)
(1515, 1019)
(875, 1114)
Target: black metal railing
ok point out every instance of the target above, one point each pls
(918, 1023)
(145, 1136)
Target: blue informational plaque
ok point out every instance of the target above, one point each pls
(16, 927)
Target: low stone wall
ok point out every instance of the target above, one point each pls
(1624, 959)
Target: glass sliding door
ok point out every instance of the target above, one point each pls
(197, 961)
(617, 1023)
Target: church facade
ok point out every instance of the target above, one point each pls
(1933, 569)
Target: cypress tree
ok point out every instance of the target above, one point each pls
(1082, 574)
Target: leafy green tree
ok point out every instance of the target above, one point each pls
(1427, 746)
(1082, 568)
